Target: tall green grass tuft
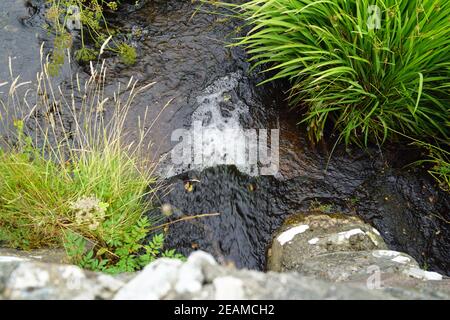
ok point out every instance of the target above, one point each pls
(69, 175)
(361, 74)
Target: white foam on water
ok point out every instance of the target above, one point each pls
(217, 137)
(220, 131)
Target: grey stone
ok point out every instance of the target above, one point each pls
(41, 255)
(200, 277)
(315, 235)
(37, 280)
(152, 283)
(7, 266)
(346, 265)
(346, 250)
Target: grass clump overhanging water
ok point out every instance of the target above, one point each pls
(68, 178)
(365, 67)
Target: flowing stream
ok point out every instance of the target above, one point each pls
(207, 82)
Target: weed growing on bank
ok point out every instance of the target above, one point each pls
(439, 162)
(70, 177)
(88, 18)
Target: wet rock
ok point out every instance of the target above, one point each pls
(318, 235)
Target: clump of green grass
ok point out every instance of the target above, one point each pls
(316, 205)
(441, 168)
(362, 74)
(68, 176)
(439, 161)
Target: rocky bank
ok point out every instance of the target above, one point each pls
(316, 257)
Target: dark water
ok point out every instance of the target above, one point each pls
(19, 41)
(411, 214)
(185, 54)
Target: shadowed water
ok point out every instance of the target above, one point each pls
(411, 214)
